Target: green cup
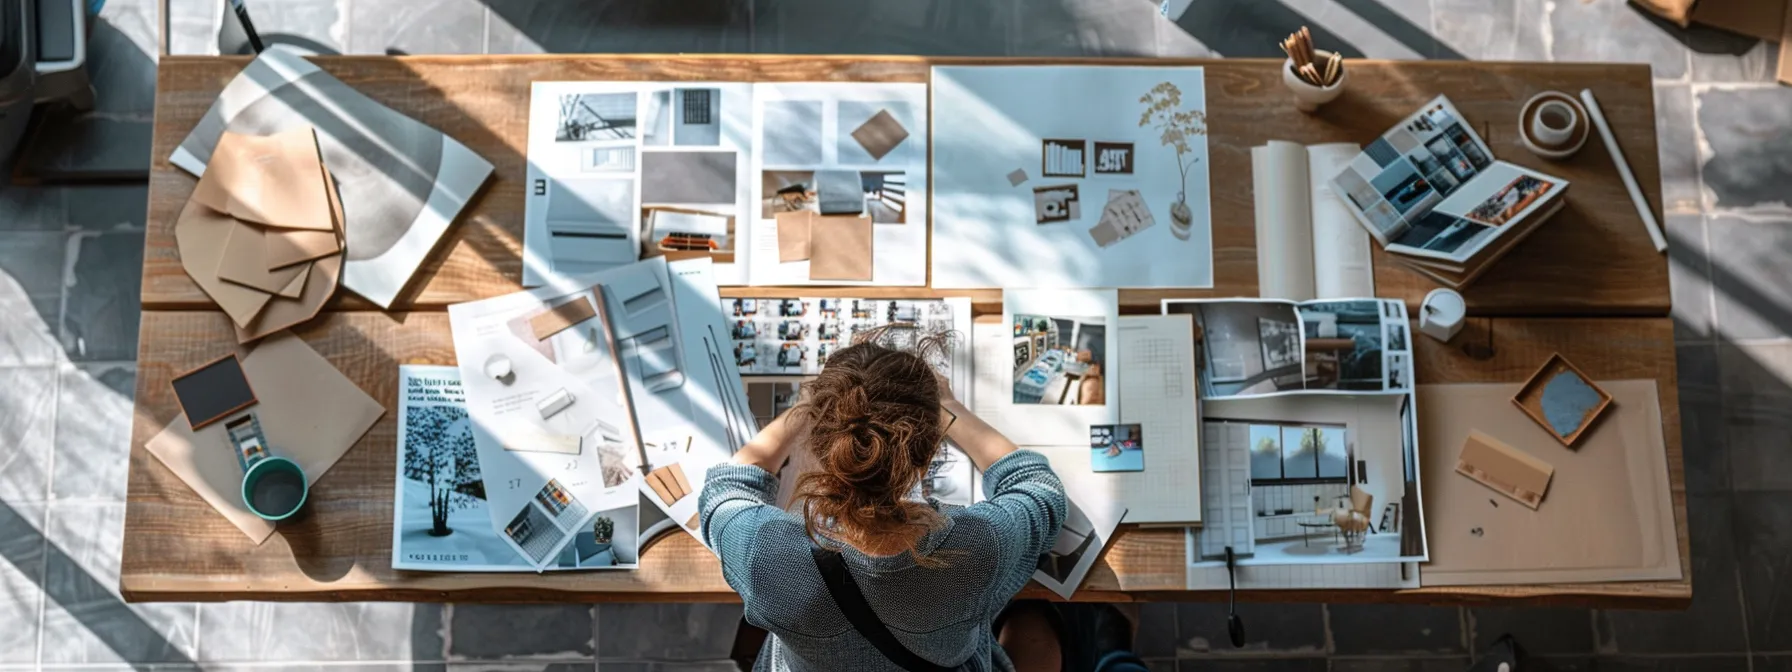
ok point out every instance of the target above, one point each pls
(274, 488)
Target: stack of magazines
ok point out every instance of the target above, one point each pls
(1431, 193)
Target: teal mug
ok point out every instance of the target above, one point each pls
(274, 487)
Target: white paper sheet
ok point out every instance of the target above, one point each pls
(784, 127)
(1285, 247)
(1342, 265)
(990, 121)
(998, 364)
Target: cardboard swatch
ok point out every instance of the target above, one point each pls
(793, 235)
(311, 413)
(880, 135)
(200, 232)
(268, 180)
(840, 248)
(1507, 470)
(319, 285)
(243, 262)
(561, 317)
(285, 247)
(1610, 516)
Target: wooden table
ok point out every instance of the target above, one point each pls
(1541, 299)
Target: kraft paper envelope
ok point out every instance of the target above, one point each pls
(285, 247)
(320, 283)
(309, 411)
(1608, 515)
(840, 248)
(274, 180)
(244, 263)
(793, 236)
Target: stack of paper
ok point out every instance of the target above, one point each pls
(262, 233)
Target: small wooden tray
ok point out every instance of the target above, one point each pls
(1530, 397)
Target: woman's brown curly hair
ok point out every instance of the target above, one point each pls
(874, 428)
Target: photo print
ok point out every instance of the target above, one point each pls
(1468, 145)
(1248, 348)
(1060, 360)
(611, 540)
(1076, 539)
(688, 178)
(656, 120)
(744, 307)
(1510, 200)
(791, 133)
(787, 191)
(1117, 448)
(1056, 203)
(691, 117)
(533, 532)
(1399, 368)
(1402, 185)
(1062, 158)
(1452, 158)
(614, 461)
(1438, 232)
(1344, 345)
(886, 195)
(1395, 337)
(586, 117)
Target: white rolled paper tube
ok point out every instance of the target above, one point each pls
(1442, 314)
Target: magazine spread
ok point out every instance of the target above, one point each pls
(1431, 188)
(794, 336)
(775, 183)
(1308, 447)
(544, 374)
(440, 521)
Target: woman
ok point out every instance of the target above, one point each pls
(935, 577)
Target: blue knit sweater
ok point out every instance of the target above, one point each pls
(943, 614)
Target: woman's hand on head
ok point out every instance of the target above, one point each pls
(946, 398)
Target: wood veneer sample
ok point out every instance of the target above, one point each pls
(1507, 470)
(562, 317)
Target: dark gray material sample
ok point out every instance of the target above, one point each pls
(687, 177)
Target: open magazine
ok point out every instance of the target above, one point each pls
(778, 183)
(1430, 191)
(1308, 450)
(440, 518)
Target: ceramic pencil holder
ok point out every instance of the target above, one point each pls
(1307, 97)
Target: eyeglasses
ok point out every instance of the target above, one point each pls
(950, 418)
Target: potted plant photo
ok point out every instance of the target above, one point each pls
(1164, 112)
(603, 528)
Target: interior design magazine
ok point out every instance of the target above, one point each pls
(1070, 176)
(1430, 191)
(440, 520)
(1309, 448)
(545, 375)
(1308, 245)
(402, 183)
(784, 183)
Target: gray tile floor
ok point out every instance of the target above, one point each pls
(70, 258)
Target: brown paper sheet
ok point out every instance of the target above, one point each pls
(320, 284)
(311, 413)
(274, 180)
(561, 317)
(880, 135)
(1608, 515)
(793, 235)
(200, 233)
(244, 262)
(840, 247)
(285, 247)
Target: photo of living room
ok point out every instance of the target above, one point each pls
(1060, 360)
(884, 193)
(1332, 477)
(1245, 347)
(1343, 345)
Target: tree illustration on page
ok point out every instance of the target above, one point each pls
(1163, 112)
(438, 451)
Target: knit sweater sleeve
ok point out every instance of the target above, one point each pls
(1025, 504)
(737, 501)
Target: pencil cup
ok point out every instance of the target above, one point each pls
(1307, 97)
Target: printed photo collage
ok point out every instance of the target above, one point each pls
(1254, 348)
(842, 177)
(795, 336)
(650, 167)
